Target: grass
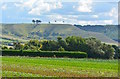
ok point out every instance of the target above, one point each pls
(59, 67)
(24, 32)
(18, 74)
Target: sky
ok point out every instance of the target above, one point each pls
(82, 12)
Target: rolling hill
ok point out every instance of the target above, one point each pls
(47, 31)
(109, 30)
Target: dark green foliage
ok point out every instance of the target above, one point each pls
(17, 46)
(4, 47)
(61, 49)
(44, 53)
(50, 45)
(10, 48)
(33, 21)
(93, 47)
(75, 43)
(59, 38)
(96, 49)
(26, 47)
(62, 43)
(117, 51)
(32, 45)
(109, 51)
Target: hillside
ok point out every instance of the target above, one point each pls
(47, 31)
(109, 30)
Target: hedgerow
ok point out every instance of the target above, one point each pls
(32, 53)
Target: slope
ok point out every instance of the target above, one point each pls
(48, 31)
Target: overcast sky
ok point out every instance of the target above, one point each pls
(81, 12)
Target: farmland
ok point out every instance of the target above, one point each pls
(16, 66)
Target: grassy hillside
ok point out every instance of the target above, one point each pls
(109, 30)
(59, 67)
(47, 31)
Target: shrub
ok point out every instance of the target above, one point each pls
(61, 49)
(10, 48)
(117, 51)
(44, 53)
(4, 47)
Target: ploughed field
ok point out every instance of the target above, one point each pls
(16, 66)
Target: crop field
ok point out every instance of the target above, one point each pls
(13, 66)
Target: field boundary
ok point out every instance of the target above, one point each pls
(69, 54)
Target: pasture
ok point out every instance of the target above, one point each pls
(16, 66)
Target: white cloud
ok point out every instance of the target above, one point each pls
(26, 4)
(95, 16)
(66, 18)
(84, 6)
(36, 7)
(113, 13)
(108, 21)
(73, 19)
(56, 17)
(4, 7)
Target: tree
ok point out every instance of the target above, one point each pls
(4, 47)
(10, 48)
(33, 21)
(61, 49)
(93, 48)
(59, 38)
(33, 43)
(26, 47)
(50, 45)
(37, 21)
(53, 45)
(62, 43)
(109, 51)
(117, 51)
(45, 46)
(75, 43)
(17, 46)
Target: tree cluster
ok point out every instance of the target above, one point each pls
(93, 47)
(36, 21)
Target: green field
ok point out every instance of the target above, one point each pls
(59, 67)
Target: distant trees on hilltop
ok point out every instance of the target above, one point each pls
(39, 21)
(36, 21)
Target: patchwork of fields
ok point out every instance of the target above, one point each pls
(60, 67)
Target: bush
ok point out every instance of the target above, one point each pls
(4, 47)
(117, 51)
(44, 53)
(10, 48)
(61, 49)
